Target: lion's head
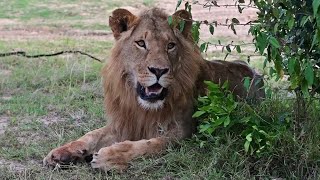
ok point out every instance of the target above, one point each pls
(150, 51)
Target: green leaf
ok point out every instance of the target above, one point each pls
(304, 88)
(219, 121)
(291, 65)
(245, 120)
(255, 127)
(265, 63)
(203, 47)
(309, 75)
(202, 143)
(198, 114)
(263, 132)
(315, 5)
(225, 85)
(274, 42)
(187, 7)
(291, 22)
(262, 42)
(233, 29)
(170, 20)
(238, 48)
(211, 29)
(240, 9)
(272, 71)
(246, 146)
(304, 20)
(249, 137)
(268, 93)
(246, 83)
(275, 12)
(275, 28)
(195, 31)
(226, 121)
(228, 48)
(211, 84)
(235, 21)
(178, 4)
(181, 25)
(204, 127)
(314, 39)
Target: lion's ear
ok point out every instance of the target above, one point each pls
(120, 21)
(182, 15)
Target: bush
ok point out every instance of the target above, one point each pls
(219, 113)
(288, 34)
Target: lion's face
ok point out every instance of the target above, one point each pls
(153, 53)
(149, 55)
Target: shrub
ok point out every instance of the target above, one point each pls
(219, 113)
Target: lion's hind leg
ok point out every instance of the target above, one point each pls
(120, 154)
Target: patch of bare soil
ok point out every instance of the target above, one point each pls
(7, 21)
(51, 33)
(16, 166)
(5, 72)
(12, 165)
(51, 118)
(4, 120)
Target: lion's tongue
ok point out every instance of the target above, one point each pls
(154, 89)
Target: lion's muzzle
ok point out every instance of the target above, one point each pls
(152, 93)
(152, 87)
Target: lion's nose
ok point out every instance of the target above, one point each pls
(158, 72)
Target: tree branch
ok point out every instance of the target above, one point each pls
(24, 54)
(210, 4)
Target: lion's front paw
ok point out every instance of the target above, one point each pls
(116, 157)
(69, 153)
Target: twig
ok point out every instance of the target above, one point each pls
(215, 23)
(24, 54)
(230, 44)
(210, 4)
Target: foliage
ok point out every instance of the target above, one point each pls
(288, 34)
(219, 113)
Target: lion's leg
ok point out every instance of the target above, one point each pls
(118, 155)
(81, 149)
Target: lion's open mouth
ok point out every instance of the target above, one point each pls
(152, 93)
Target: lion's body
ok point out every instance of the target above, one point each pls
(150, 92)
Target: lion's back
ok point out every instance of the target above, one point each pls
(235, 72)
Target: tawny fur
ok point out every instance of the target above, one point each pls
(133, 130)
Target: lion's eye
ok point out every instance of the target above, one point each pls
(141, 43)
(171, 45)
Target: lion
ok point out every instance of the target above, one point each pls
(151, 83)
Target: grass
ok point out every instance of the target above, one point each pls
(47, 102)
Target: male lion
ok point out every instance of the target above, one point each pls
(153, 78)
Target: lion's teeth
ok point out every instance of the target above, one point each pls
(153, 91)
